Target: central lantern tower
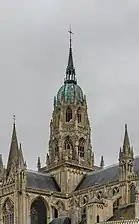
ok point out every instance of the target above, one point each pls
(70, 153)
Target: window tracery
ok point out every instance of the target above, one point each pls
(38, 212)
(81, 147)
(68, 114)
(68, 143)
(8, 212)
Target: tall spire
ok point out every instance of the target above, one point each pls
(126, 144)
(13, 154)
(70, 71)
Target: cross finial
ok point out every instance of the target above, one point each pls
(70, 32)
(14, 119)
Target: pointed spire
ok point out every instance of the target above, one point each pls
(70, 71)
(13, 154)
(102, 162)
(126, 144)
(39, 163)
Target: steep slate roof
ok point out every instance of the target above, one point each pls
(104, 176)
(41, 181)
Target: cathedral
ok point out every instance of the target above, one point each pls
(69, 184)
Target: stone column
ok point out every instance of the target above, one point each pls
(28, 212)
(1, 220)
(76, 148)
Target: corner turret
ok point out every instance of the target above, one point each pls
(126, 158)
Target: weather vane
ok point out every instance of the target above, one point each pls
(70, 32)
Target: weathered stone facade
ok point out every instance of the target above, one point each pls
(69, 184)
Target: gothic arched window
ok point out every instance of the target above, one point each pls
(68, 143)
(81, 147)
(79, 116)
(8, 212)
(38, 212)
(68, 114)
(132, 194)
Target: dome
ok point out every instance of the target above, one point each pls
(70, 93)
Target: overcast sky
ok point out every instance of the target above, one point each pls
(33, 58)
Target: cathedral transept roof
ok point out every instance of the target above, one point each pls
(104, 176)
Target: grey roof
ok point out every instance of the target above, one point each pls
(104, 176)
(42, 181)
(125, 213)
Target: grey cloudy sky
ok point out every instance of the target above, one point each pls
(33, 59)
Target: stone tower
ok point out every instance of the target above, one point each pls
(126, 158)
(70, 153)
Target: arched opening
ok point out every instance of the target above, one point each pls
(99, 195)
(79, 116)
(116, 205)
(132, 194)
(81, 147)
(68, 143)
(68, 114)
(8, 212)
(55, 212)
(97, 218)
(60, 207)
(38, 212)
(115, 191)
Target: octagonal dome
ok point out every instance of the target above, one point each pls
(70, 93)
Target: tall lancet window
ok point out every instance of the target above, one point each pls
(79, 116)
(8, 212)
(132, 194)
(68, 114)
(81, 147)
(68, 143)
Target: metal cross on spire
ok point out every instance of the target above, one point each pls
(70, 32)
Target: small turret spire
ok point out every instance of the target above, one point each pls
(102, 162)
(39, 163)
(126, 144)
(70, 71)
